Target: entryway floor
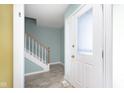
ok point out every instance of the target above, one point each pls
(52, 79)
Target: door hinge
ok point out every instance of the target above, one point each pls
(102, 8)
(102, 54)
(19, 14)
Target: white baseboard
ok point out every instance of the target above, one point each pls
(61, 63)
(46, 70)
(54, 63)
(38, 72)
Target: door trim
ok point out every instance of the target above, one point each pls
(107, 43)
(18, 46)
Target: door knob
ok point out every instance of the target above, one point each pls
(73, 46)
(73, 56)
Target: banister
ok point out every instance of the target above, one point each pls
(38, 45)
(32, 36)
(48, 55)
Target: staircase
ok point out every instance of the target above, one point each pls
(37, 52)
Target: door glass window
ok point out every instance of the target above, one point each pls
(85, 33)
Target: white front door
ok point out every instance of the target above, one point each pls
(86, 47)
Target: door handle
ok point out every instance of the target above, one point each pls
(73, 46)
(72, 56)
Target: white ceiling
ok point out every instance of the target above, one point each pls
(48, 15)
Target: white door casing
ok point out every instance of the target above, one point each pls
(18, 46)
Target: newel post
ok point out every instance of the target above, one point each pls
(48, 55)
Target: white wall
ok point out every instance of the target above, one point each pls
(118, 46)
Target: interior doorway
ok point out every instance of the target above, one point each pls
(44, 45)
(107, 27)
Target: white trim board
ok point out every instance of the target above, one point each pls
(37, 72)
(108, 79)
(46, 70)
(18, 46)
(54, 63)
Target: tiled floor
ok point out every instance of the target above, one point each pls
(51, 79)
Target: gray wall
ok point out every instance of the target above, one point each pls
(51, 37)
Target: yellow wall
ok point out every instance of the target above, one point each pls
(6, 51)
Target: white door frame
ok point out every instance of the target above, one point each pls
(107, 43)
(18, 46)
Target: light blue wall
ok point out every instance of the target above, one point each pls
(51, 37)
(31, 67)
(62, 45)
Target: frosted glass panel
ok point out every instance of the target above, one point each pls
(85, 33)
